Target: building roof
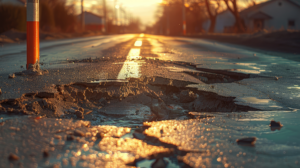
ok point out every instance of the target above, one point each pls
(91, 18)
(260, 15)
(260, 5)
(14, 2)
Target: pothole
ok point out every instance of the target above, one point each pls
(143, 99)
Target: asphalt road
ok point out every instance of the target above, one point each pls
(226, 78)
(264, 66)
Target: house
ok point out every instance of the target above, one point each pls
(224, 21)
(270, 15)
(92, 21)
(14, 2)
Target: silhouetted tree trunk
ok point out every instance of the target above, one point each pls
(234, 10)
(212, 16)
(212, 24)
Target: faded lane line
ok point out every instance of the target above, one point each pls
(131, 67)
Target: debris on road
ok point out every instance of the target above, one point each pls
(275, 124)
(13, 157)
(246, 141)
(33, 70)
(12, 76)
(187, 96)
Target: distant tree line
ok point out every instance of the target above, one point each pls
(169, 16)
(55, 16)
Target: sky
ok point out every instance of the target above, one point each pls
(144, 9)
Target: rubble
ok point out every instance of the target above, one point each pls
(80, 113)
(33, 70)
(187, 96)
(12, 76)
(275, 124)
(13, 157)
(246, 141)
(79, 133)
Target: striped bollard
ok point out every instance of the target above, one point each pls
(33, 45)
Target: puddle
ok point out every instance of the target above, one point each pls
(148, 163)
(109, 80)
(254, 100)
(265, 104)
(177, 69)
(246, 71)
(294, 87)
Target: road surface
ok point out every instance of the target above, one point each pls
(128, 80)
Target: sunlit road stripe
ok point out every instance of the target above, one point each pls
(131, 68)
(138, 43)
(33, 46)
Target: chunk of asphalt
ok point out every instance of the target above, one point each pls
(160, 109)
(79, 133)
(275, 124)
(103, 101)
(13, 157)
(187, 96)
(11, 76)
(79, 114)
(250, 141)
(46, 154)
(46, 95)
(70, 138)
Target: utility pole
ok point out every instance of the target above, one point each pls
(121, 19)
(82, 16)
(115, 13)
(125, 21)
(183, 18)
(168, 19)
(105, 16)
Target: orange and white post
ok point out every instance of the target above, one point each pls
(33, 41)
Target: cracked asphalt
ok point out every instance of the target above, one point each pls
(149, 101)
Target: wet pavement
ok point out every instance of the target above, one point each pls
(149, 101)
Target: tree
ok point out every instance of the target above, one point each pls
(213, 12)
(233, 8)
